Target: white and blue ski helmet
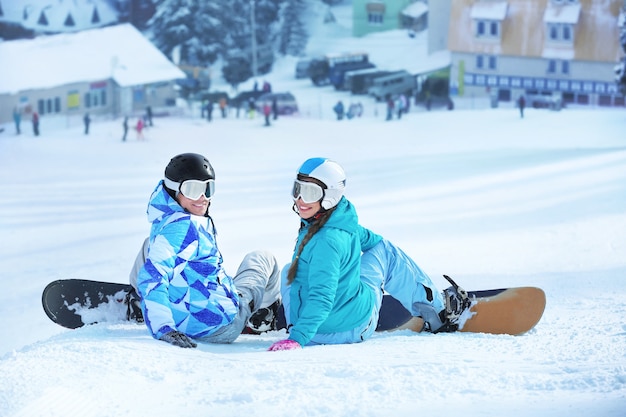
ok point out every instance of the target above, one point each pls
(330, 174)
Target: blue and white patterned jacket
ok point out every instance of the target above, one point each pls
(183, 285)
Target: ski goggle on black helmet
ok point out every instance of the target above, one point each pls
(320, 179)
(190, 174)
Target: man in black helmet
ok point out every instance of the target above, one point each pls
(185, 294)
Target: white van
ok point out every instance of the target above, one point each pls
(399, 82)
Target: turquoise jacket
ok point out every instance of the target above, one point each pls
(327, 294)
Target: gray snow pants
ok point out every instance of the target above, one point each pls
(257, 281)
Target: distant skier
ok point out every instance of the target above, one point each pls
(149, 116)
(35, 120)
(521, 103)
(339, 110)
(17, 118)
(139, 127)
(86, 121)
(390, 106)
(125, 127)
(267, 112)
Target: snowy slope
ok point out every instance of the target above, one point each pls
(517, 206)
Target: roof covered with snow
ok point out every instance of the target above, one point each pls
(119, 52)
(415, 10)
(489, 10)
(58, 16)
(562, 13)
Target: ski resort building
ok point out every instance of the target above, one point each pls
(555, 52)
(109, 71)
(371, 16)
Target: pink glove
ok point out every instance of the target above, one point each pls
(286, 344)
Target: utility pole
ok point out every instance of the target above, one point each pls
(253, 34)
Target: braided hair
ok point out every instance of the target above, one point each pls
(320, 220)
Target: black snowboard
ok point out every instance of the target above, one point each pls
(73, 303)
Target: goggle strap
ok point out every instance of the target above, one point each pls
(172, 185)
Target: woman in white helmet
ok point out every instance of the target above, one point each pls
(332, 291)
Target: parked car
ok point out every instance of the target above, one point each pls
(214, 96)
(242, 99)
(544, 99)
(285, 102)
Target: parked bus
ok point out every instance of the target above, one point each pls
(400, 82)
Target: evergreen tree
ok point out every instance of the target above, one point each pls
(171, 24)
(238, 46)
(207, 46)
(196, 26)
(620, 68)
(293, 34)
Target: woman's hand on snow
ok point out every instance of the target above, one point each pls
(286, 344)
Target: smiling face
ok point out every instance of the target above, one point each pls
(198, 207)
(307, 210)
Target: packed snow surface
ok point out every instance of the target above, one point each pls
(480, 194)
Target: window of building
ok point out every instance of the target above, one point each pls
(49, 105)
(494, 29)
(480, 61)
(554, 32)
(95, 17)
(96, 96)
(375, 13)
(487, 29)
(69, 21)
(375, 18)
(560, 32)
(486, 62)
(43, 20)
(567, 33)
(480, 28)
(555, 65)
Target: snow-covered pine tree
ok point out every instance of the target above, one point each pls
(209, 26)
(620, 68)
(171, 25)
(196, 26)
(238, 63)
(293, 35)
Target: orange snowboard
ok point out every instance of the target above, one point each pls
(513, 311)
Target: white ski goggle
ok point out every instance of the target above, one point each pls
(309, 192)
(193, 189)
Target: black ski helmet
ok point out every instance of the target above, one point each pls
(188, 166)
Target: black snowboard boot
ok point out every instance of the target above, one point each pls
(263, 320)
(133, 307)
(457, 301)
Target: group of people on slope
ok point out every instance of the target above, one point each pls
(331, 291)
